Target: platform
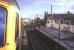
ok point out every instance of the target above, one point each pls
(65, 39)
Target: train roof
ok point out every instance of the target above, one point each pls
(12, 2)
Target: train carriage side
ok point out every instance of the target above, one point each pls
(8, 32)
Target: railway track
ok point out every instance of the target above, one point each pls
(36, 42)
(25, 44)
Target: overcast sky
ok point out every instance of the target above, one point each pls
(29, 8)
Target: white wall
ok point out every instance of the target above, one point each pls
(64, 27)
(72, 28)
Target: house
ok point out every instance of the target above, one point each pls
(66, 21)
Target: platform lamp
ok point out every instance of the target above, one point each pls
(59, 27)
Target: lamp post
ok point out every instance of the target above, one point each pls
(59, 34)
(59, 28)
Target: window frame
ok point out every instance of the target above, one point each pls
(5, 29)
(17, 28)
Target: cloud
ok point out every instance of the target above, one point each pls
(67, 4)
(36, 2)
(30, 7)
(62, 2)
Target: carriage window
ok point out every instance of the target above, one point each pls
(2, 25)
(17, 27)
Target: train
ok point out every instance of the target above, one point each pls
(10, 26)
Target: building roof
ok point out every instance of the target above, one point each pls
(62, 16)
